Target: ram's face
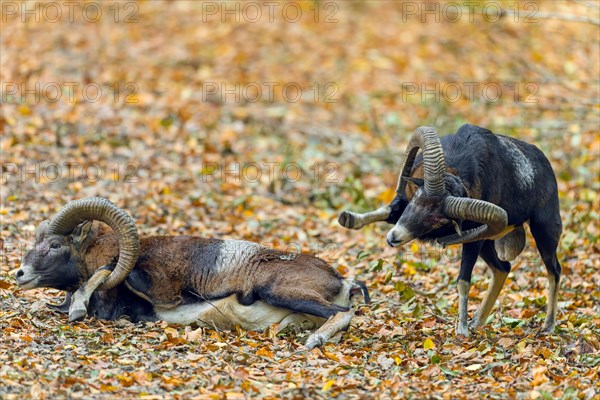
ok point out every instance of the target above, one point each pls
(422, 215)
(51, 263)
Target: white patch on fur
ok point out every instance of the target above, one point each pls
(343, 297)
(399, 235)
(29, 279)
(235, 253)
(227, 313)
(525, 173)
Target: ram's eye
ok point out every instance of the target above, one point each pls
(55, 245)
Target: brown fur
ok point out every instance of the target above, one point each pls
(417, 172)
(103, 249)
(183, 279)
(187, 271)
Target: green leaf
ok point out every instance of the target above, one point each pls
(362, 255)
(540, 301)
(238, 201)
(405, 291)
(376, 265)
(441, 304)
(513, 322)
(546, 395)
(418, 311)
(449, 371)
(419, 266)
(388, 277)
(167, 122)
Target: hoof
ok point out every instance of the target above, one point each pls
(462, 330)
(78, 309)
(347, 220)
(314, 340)
(474, 324)
(545, 330)
(77, 314)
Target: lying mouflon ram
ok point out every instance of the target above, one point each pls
(182, 279)
(477, 189)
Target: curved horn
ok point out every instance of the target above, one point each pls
(434, 164)
(493, 218)
(101, 209)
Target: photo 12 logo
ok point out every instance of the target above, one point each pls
(469, 11)
(472, 92)
(253, 92)
(269, 11)
(69, 11)
(70, 171)
(271, 171)
(53, 92)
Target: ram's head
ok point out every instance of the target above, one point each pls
(56, 259)
(439, 199)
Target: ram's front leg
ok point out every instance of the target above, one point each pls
(81, 298)
(470, 252)
(391, 214)
(352, 220)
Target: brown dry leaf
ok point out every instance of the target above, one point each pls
(506, 342)
(539, 376)
(194, 335)
(264, 352)
(163, 159)
(171, 333)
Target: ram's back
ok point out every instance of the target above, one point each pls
(505, 171)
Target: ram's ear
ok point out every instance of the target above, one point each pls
(81, 234)
(41, 230)
(454, 186)
(414, 181)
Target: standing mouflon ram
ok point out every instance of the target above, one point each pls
(182, 279)
(489, 185)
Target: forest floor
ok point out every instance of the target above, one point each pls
(205, 123)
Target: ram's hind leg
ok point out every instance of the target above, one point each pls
(500, 270)
(352, 293)
(302, 302)
(337, 323)
(546, 231)
(338, 317)
(352, 220)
